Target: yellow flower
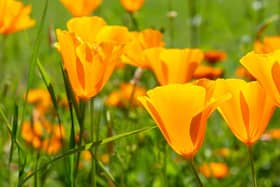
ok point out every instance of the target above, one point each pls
(173, 65)
(181, 112)
(81, 7)
(132, 5)
(90, 51)
(139, 41)
(14, 16)
(269, 44)
(249, 110)
(266, 69)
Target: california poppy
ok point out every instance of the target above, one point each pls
(266, 69)
(173, 65)
(43, 136)
(132, 5)
(139, 41)
(14, 16)
(267, 45)
(90, 51)
(271, 134)
(81, 7)
(213, 56)
(248, 111)
(242, 72)
(41, 99)
(214, 169)
(203, 71)
(183, 128)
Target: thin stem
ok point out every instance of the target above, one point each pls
(134, 22)
(195, 173)
(171, 22)
(251, 159)
(193, 24)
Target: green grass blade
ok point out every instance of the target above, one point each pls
(14, 132)
(85, 147)
(106, 171)
(35, 53)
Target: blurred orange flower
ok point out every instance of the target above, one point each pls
(122, 97)
(81, 7)
(43, 136)
(266, 69)
(269, 44)
(249, 110)
(40, 98)
(90, 51)
(213, 56)
(132, 5)
(203, 71)
(139, 41)
(214, 169)
(181, 112)
(271, 134)
(173, 65)
(14, 16)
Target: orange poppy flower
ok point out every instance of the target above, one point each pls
(40, 98)
(14, 16)
(133, 52)
(213, 56)
(173, 65)
(90, 51)
(249, 110)
(121, 97)
(132, 5)
(271, 134)
(81, 7)
(243, 73)
(266, 69)
(214, 169)
(269, 44)
(184, 127)
(203, 71)
(43, 136)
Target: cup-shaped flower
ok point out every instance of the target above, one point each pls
(14, 16)
(90, 51)
(266, 69)
(81, 7)
(249, 110)
(173, 65)
(132, 5)
(267, 45)
(139, 41)
(181, 112)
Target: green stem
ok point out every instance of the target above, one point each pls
(171, 23)
(195, 173)
(94, 138)
(251, 159)
(36, 167)
(81, 116)
(134, 22)
(193, 26)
